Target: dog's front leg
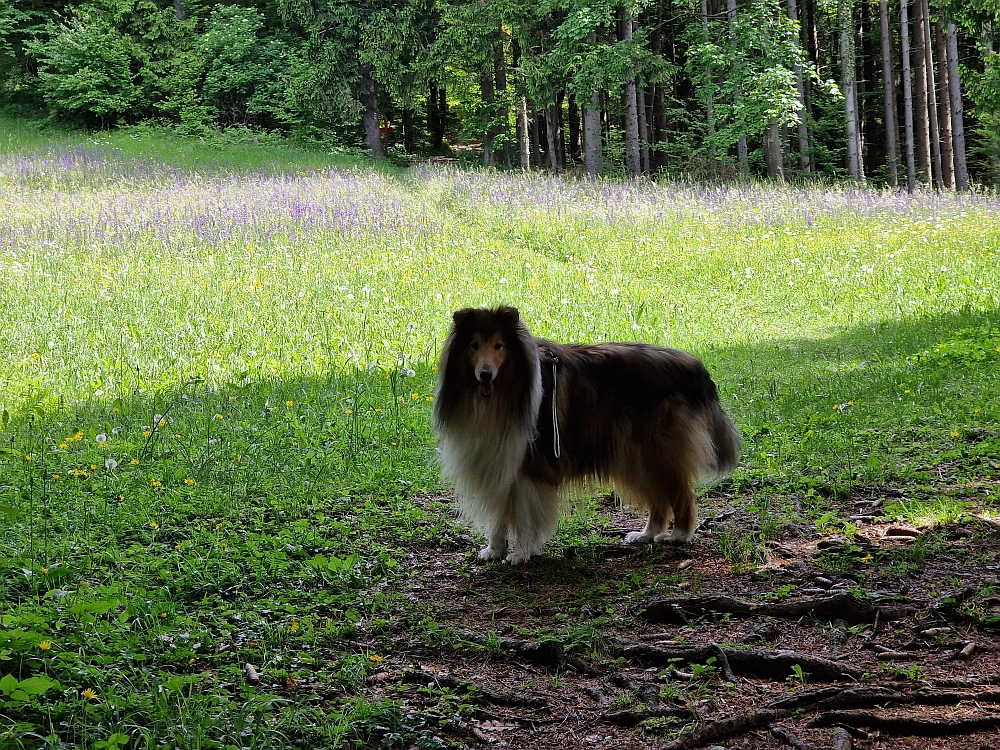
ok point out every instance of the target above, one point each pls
(497, 547)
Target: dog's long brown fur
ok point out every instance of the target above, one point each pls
(644, 418)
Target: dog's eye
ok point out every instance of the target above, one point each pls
(474, 346)
(498, 347)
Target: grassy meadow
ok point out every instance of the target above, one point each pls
(216, 376)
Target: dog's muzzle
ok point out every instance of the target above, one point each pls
(485, 378)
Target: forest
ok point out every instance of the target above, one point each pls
(889, 93)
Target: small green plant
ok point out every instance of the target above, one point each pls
(797, 675)
(706, 671)
(914, 672)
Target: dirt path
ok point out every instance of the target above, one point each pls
(890, 634)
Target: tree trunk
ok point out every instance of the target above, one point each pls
(631, 125)
(432, 111)
(944, 108)
(957, 122)
(593, 154)
(660, 135)
(537, 157)
(659, 124)
(592, 144)
(369, 119)
(523, 125)
(437, 109)
(560, 131)
(865, 64)
(810, 36)
(179, 13)
(501, 127)
(904, 27)
(803, 128)
(407, 115)
(710, 101)
(487, 126)
(552, 134)
(643, 130)
(932, 111)
(742, 155)
(772, 151)
(523, 134)
(889, 91)
(846, 29)
(920, 115)
(575, 149)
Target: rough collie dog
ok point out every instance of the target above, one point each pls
(519, 417)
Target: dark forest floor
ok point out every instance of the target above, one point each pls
(890, 634)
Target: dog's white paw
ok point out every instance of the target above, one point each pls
(518, 557)
(638, 537)
(667, 537)
(488, 554)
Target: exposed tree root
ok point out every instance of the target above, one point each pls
(842, 740)
(721, 730)
(727, 670)
(787, 736)
(769, 665)
(904, 726)
(841, 606)
(539, 653)
(834, 698)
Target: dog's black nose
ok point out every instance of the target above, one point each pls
(485, 375)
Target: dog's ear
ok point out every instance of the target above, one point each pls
(463, 316)
(509, 316)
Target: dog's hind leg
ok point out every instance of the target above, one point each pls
(534, 519)
(682, 499)
(667, 495)
(659, 516)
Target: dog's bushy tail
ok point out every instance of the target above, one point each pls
(727, 441)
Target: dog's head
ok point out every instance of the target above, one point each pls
(482, 345)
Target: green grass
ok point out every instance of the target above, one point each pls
(211, 449)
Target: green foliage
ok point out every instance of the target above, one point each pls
(85, 69)
(747, 68)
(984, 90)
(243, 73)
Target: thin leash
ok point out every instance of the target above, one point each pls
(555, 410)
